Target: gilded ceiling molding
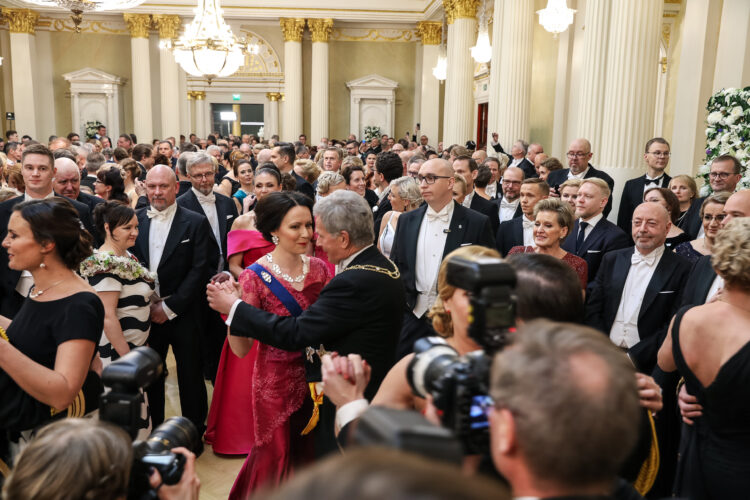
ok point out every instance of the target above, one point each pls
(98, 27)
(21, 20)
(460, 9)
(430, 32)
(292, 28)
(138, 24)
(168, 25)
(320, 29)
(273, 96)
(372, 35)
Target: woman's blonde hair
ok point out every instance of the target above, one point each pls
(328, 179)
(460, 181)
(73, 458)
(408, 190)
(731, 253)
(690, 184)
(310, 170)
(441, 319)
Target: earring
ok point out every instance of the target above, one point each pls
(42, 265)
(275, 239)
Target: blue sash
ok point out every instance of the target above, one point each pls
(277, 289)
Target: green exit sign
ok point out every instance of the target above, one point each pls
(236, 97)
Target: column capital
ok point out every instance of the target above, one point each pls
(292, 28)
(430, 32)
(138, 24)
(320, 29)
(460, 9)
(273, 96)
(199, 95)
(21, 20)
(168, 25)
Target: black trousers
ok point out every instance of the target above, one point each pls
(182, 334)
(412, 330)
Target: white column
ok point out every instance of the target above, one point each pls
(593, 73)
(190, 115)
(630, 91)
(459, 97)
(320, 30)
(429, 106)
(514, 88)
(75, 107)
(202, 127)
(291, 125)
(186, 125)
(139, 25)
(733, 52)
(694, 81)
(272, 127)
(21, 23)
(168, 26)
(496, 74)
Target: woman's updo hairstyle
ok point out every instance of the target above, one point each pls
(55, 220)
(113, 213)
(112, 177)
(271, 210)
(731, 253)
(441, 319)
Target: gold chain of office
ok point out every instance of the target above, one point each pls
(393, 274)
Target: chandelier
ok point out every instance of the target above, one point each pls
(556, 17)
(440, 71)
(207, 47)
(78, 7)
(482, 51)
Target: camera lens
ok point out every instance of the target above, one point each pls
(432, 357)
(174, 432)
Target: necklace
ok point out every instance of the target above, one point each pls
(33, 294)
(299, 279)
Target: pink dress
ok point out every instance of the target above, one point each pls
(280, 391)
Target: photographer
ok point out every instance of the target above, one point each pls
(99, 453)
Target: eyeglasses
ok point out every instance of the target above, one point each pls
(202, 176)
(576, 154)
(430, 179)
(718, 218)
(719, 175)
(413, 175)
(660, 154)
(511, 183)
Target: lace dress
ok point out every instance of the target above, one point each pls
(280, 390)
(578, 264)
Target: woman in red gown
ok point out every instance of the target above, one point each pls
(280, 391)
(229, 430)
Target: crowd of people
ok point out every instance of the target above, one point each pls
(296, 279)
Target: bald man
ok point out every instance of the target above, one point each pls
(173, 242)
(67, 182)
(424, 237)
(637, 290)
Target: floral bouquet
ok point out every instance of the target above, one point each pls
(91, 128)
(728, 132)
(372, 132)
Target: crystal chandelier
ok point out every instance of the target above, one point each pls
(78, 7)
(482, 51)
(440, 71)
(556, 17)
(207, 47)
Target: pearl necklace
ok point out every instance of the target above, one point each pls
(276, 269)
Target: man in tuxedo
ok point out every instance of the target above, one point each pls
(283, 156)
(387, 168)
(724, 175)
(38, 170)
(173, 242)
(579, 154)
(593, 235)
(183, 178)
(167, 149)
(143, 154)
(637, 290)
(518, 154)
(519, 230)
(509, 204)
(359, 311)
(495, 186)
(67, 183)
(656, 158)
(467, 167)
(94, 162)
(424, 237)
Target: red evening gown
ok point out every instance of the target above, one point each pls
(279, 390)
(578, 264)
(229, 430)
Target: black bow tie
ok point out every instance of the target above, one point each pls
(655, 181)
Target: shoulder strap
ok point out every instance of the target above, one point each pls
(277, 289)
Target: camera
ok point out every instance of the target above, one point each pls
(126, 379)
(459, 385)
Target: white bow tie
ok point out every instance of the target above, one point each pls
(528, 224)
(202, 198)
(160, 215)
(433, 216)
(638, 258)
(507, 204)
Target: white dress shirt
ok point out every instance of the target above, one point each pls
(515, 162)
(158, 232)
(508, 208)
(430, 245)
(528, 231)
(717, 285)
(208, 204)
(344, 263)
(467, 199)
(491, 189)
(624, 332)
(592, 222)
(26, 281)
(580, 176)
(49, 195)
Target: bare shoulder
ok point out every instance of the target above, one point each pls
(244, 221)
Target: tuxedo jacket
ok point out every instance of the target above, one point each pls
(467, 227)
(557, 177)
(692, 222)
(184, 188)
(509, 235)
(488, 208)
(660, 302)
(632, 196)
(87, 180)
(183, 269)
(226, 212)
(702, 276)
(528, 168)
(10, 300)
(603, 238)
(303, 186)
(378, 211)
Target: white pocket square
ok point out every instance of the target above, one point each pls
(667, 291)
(466, 244)
(229, 216)
(185, 241)
(594, 251)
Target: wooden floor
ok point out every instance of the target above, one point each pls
(216, 473)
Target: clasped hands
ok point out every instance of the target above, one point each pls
(222, 291)
(344, 377)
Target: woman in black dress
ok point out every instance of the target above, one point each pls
(710, 347)
(46, 350)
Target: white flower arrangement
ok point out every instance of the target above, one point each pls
(127, 268)
(727, 132)
(372, 132)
